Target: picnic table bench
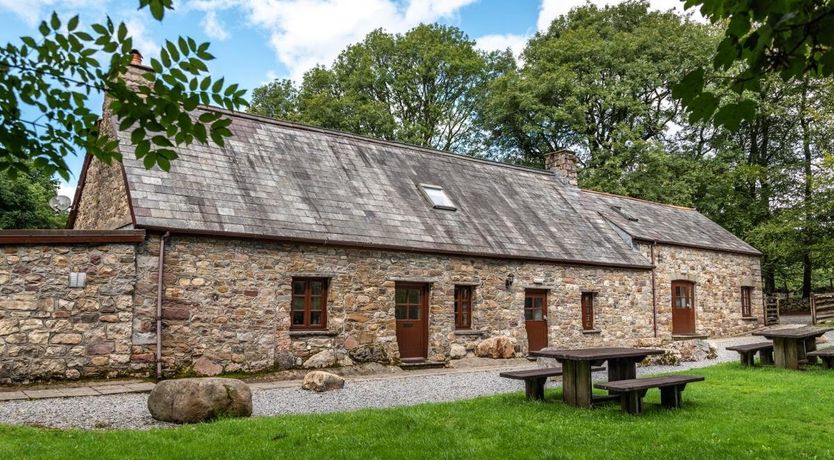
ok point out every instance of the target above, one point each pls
(748, 352)
(791, 345)
(826, 356)
(632, 391)
(534, 379)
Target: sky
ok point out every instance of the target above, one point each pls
(256, 41)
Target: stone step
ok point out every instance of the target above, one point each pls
(421, 364)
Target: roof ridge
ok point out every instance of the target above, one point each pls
(686, 208)
(335, 132)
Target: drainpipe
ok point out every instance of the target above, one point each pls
(159, 305)
(654, 294)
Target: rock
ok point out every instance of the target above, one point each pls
(66, 339)
(284, 359)
(324, 358)
(371, 353)
(196, 400)
(496, 348)
(682, 351)
(457, 352)
(207, 367)
(322, 381)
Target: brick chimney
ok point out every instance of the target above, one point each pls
(135, 57)
(563, 163)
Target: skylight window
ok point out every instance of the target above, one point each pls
(437, 197)
(619, 210)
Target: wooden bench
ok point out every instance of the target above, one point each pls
(632, 391)
(747, 353)
(534, 379)
(826, 356)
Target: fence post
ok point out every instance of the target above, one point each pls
(813, 309)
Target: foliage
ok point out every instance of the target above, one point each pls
(791, 38)
(24, 201)
(599, 81)
(422, 87)
(732, 414)
(51, 78)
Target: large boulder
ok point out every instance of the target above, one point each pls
(371, 353)
(324, 358)
(322, 381)
(196, 400)
(457, 351)
(500, 347)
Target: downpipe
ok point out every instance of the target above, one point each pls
(159, 305)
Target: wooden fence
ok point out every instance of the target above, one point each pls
(822, 307)
(771, 310)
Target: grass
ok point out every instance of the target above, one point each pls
(736, 413)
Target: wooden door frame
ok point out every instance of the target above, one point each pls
(424, 307)
(691, 285)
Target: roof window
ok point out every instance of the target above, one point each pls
(437, 197)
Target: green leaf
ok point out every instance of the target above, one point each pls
(55, 22)
(73, 23)
(157, 9)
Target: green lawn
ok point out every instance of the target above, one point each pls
(735, 413)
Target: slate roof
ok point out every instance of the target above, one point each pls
(664, 223)
(284, 181)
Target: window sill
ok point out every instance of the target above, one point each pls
(591, 331)
(468, 332)
(750, 318)
(312, 333)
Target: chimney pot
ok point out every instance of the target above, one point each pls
(135, 57)
(563, 163)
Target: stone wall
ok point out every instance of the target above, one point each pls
(51, 331)
(227, 301)
(226, 304)
(718, 279)
(103, 204)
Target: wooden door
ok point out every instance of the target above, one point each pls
(683, 307)
(411, 311)
(535, 318)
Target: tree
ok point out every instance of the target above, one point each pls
(423, 87)
(599, 81)
(24, 201)
(791, 38)
(45, 84)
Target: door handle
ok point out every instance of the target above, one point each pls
(544, 318)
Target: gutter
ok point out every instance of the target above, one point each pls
(159, 304)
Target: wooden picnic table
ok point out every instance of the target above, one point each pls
(576, 368)
(790, 345)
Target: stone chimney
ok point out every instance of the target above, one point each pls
(563, 163)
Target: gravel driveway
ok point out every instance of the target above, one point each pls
(130, 410)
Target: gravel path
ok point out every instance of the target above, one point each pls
(130, 410)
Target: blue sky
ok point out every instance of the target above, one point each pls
(255, 41)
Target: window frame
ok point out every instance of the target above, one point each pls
(587, 312)
(746, 301)
(308, 296)
(465, 302)
(423, 189)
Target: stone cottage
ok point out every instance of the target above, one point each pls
(298, 246)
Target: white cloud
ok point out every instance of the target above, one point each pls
(550, 9)
(138, 29)
(213, 27)
(499, 42)
(304, 33)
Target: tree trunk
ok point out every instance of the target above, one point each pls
(807, 236)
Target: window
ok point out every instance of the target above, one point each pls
(408, 300)
(463, 307)
(309, 303)
(437, 197)
(535, 305)
(588, 311)
(683, 292)
(746, 309)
